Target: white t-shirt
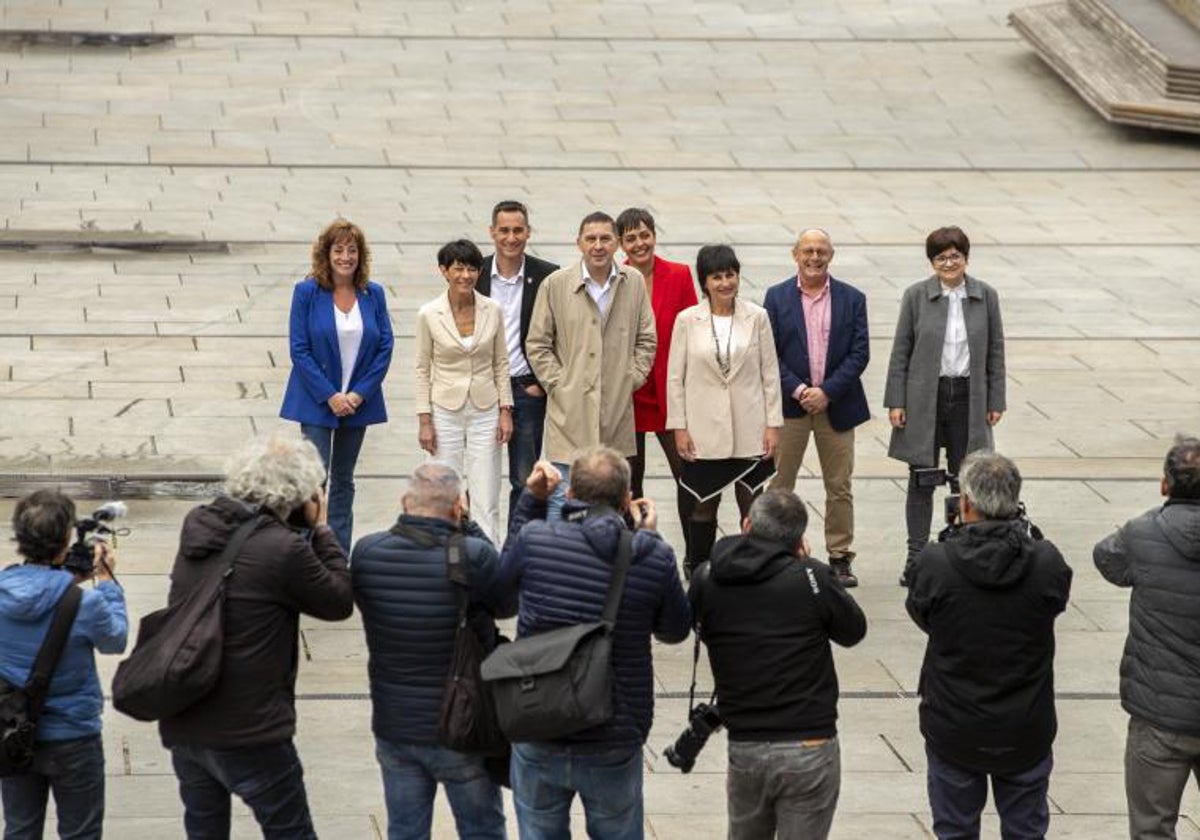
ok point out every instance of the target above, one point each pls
(723, 327)
(350, 333)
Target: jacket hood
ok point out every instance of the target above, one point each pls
(601, 529)
(208, 528)
(743, 559)
(30, 591)
(1180, 520)
(991, 555)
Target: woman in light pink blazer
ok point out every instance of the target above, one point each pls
(723, 399)
(464, 397)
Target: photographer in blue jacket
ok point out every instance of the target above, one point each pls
(69, 758)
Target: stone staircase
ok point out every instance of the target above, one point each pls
(1135, 61)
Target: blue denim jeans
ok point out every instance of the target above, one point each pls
(525, 445)
(74, 771)
(558, 498)
(546, 777)
(339, 451)
(268, 778)
(411, 773)
(957, 796)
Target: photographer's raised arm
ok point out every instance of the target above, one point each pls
(1112, 561)
(320, 586)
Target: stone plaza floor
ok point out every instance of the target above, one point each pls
(221, 153)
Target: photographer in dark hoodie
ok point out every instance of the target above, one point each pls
(988, 596)
(238, 739)
(767, 611)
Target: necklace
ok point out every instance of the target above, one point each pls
(723, 362)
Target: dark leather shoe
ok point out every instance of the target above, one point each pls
(904, 578)
(841, 571)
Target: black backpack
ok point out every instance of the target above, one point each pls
(21, 708)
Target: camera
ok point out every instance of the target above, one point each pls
(703, 721)
(81, 557)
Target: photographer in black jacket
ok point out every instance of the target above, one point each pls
(767, 612)
(987, 597)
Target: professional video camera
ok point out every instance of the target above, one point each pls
(80, 559)
(930, 477)
(703, 721)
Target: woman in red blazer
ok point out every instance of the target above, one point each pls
(671, 291)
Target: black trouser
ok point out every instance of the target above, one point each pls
(951, 430)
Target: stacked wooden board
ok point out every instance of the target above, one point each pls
(1135, 61)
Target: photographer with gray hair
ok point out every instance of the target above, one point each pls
(238, 739)
(410, 611)
(767, 613)
(988, 596)
(1157, 555)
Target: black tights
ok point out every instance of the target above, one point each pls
(700, 528)
(637, 471)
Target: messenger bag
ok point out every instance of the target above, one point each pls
(559, 682)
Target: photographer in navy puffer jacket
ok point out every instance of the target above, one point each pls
(560, 571)
(69, 758)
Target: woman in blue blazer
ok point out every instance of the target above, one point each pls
(341, 346)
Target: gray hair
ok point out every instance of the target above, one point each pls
(808, 230)
(600, 476)
(779, 516)
(992, 483)
(279, 472)
(1182, 468)
(433, 489)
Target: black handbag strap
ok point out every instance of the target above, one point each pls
(230, 552)
(616, 586)
(37, 686)
(456, 562)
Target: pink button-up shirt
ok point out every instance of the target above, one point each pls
(816, 323)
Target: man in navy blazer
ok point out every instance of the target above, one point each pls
(820, 329)
(512, 277)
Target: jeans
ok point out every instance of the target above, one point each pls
(74, 771)
(466, 440)
(411, 773)
(957, 796)
(1157, 765)
(339, 452)
(951, 433)
(268, 778)
(525, 445)
(558, 498)
(785, 787)
(546, 777)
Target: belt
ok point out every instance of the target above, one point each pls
(524, 379)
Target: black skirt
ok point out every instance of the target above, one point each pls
(705, 478)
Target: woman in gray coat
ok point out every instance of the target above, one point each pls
(945, 382)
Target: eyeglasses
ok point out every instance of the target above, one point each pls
(946, 259)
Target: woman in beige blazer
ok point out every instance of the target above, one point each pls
(723, 399)
(464, 397)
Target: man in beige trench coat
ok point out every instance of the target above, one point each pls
(591, 344)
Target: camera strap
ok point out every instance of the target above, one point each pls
(37, 686)
(699, 579)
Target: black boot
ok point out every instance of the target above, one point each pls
(910, 561)
(701, 536)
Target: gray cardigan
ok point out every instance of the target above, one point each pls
(916, 362)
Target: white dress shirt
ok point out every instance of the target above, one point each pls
(956, 355)
(509, 292)
(601, 293)
(349, 333)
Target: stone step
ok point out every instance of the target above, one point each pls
(1190, 9)
(1100, 71)
(1163, 42)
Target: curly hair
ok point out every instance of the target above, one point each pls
(41, 524)
(280, 473)
(337, 231)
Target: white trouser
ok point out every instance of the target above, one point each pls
(466, 440)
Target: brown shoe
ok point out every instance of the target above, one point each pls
(841, 571)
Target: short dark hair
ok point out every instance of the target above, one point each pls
(510, 206)
(1182, 468)
(947, 237)
(597, 217)
(41, 524)
(600, 476)
(461, 251)
(780, 516)
(714, 259)
(631, 218)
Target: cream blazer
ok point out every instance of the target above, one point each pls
(449, 374)
(726, 416)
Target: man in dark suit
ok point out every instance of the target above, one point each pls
(820, 330)
(511, 278)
